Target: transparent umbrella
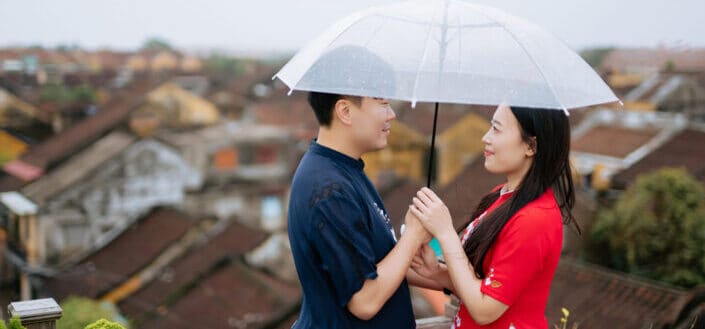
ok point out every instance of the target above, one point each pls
(445, 51)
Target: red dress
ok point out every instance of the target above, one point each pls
(519, 267)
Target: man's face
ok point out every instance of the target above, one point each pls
(372, 122)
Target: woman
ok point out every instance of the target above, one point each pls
(501, 268)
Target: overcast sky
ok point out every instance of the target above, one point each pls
(286, 25)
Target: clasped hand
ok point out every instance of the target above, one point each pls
(432, 213)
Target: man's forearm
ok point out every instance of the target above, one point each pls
(390, 272)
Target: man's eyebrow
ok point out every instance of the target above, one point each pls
(496, 122)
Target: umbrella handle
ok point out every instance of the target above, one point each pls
(433, 147)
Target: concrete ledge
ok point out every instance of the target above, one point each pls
(437, 322)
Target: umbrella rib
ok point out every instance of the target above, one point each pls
(411, 21)
(418, 69)
(536, 64)
(523, 48)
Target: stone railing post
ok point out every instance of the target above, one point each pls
(37, 313)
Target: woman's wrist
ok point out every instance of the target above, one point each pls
(446, 238)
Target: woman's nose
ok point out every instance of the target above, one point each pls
(485, 138)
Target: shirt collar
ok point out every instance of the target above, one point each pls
(335, 155)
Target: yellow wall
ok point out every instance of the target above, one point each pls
(404, 155)
(191, 64)
(640, 106)
(406, 152)
(177, 107)
(137, 63)
(10, 147)
(622, 80)
(459, 145)
(164, 61)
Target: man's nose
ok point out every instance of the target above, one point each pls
(392, 115)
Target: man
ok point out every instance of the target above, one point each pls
(351, 267)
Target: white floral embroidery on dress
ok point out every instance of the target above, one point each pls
(488, 279)
(471, 227)
(511, 326)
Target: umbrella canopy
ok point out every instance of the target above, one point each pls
(445, 51)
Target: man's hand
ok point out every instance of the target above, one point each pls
(425, 262)
(413, 226)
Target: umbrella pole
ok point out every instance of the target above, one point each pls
(433, 147)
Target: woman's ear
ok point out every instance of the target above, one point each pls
(342, 111)
(531, 149)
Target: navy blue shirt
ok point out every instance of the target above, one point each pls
(339, 231)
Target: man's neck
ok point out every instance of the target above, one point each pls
(335, 141)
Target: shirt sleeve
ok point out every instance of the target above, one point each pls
(517, 258)
(343, 240)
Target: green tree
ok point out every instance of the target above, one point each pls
(656, 229)
(60, 94)
(225, 65)
(80, 312)
(594, 56)
(4, 158)
(55, 93)
(83, 94)
(156, 44)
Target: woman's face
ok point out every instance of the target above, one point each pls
(505, 151)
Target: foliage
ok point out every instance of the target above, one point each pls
(61, 94)
(80, 312)
(15, 323)
(564, 320)
(156, 44)
(594, 56)
(104, 324)
(4, 158)
(656, 229)
(225, 65)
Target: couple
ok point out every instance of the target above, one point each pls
(353, 269)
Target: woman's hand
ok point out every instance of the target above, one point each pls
(432, 213)
(425, 262)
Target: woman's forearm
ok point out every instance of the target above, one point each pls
(418, 280)
(483, 309)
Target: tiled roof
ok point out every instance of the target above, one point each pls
(601, 298)
(421, 117)
(138, 246)
(232, 296)
(463, 194)
(656, 59)
(397, 198)
(685, 149)
(292, 112)
(78, 167)
(612, 141)
(83, 133)
(235, 240)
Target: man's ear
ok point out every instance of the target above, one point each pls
(342, 110)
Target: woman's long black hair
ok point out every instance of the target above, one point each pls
(550, 169)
